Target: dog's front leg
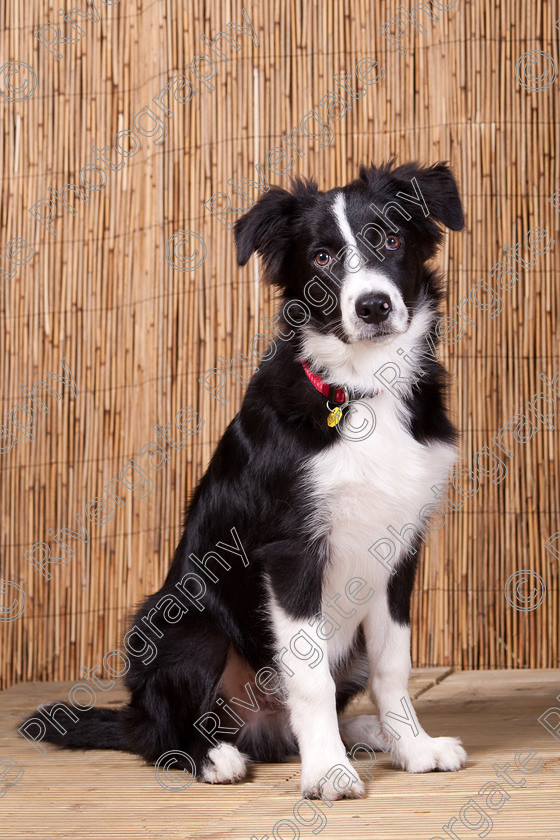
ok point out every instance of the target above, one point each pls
(310, 698)
(388, 646)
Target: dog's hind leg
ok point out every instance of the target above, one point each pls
(173, 709)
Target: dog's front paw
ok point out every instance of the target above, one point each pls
(334, 780)
(424, 754)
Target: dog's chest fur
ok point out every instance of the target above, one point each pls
(360, 488)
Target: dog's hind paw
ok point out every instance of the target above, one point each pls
(425, 754)
(225, 765)
(364, 729)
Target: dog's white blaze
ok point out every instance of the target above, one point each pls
(339, 210)
(364, 281)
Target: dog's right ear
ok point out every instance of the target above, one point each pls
(268, 228)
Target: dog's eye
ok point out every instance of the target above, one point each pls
(392, 242)
(322, 259)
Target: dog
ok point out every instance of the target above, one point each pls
(343, 433)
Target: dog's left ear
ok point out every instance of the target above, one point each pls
(268, 228)
(439, 189)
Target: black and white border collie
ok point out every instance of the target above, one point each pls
(297, 615)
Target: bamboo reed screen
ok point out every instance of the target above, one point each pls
(111, 300)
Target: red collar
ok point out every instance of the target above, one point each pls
(333, 394)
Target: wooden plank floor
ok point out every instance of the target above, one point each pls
(86, 796)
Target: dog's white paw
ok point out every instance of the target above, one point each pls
(364, 729)
(423, 754)
(225, 765)
(332, 780)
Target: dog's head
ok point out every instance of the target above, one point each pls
(355, 255)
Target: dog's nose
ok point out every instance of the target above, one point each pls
(373, 309)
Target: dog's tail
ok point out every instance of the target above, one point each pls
(94, 729)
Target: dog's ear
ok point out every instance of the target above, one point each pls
(439, 189)
(268, 228)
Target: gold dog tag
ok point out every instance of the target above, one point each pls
(334, 417)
